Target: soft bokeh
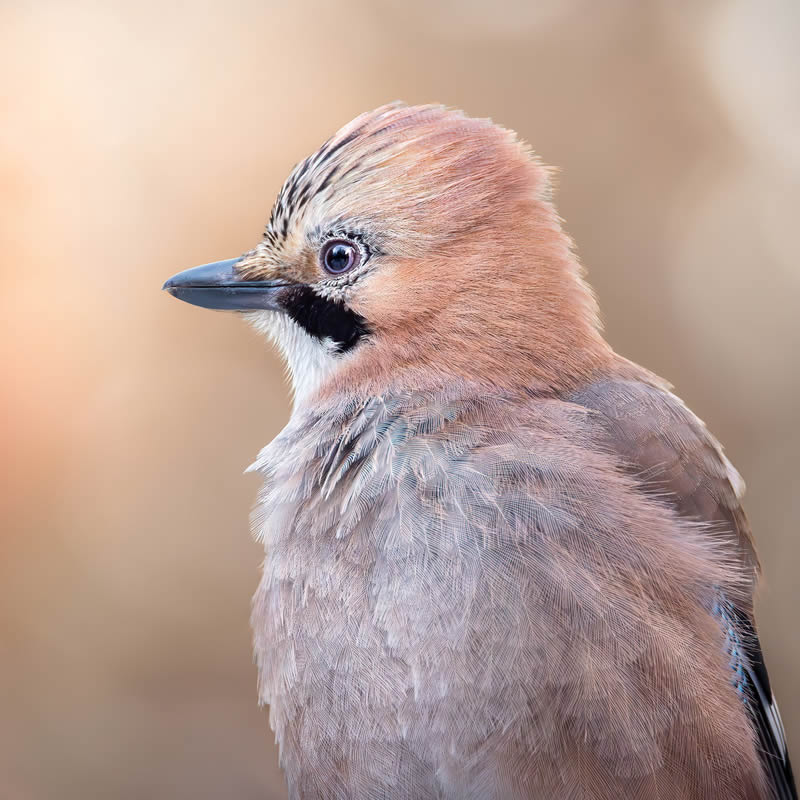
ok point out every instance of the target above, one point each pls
(139, 138)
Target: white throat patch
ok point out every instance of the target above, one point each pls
(309, 361)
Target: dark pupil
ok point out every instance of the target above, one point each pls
(338, 258)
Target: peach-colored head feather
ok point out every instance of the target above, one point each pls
(471, 275)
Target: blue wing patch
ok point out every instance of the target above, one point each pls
(750, 679)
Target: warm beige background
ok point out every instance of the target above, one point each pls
(138, 138)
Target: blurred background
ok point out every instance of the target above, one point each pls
(140, 138)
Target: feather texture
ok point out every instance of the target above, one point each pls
(472, 596)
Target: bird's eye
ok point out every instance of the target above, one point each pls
(339, 255)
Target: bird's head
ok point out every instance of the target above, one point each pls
(417, 245)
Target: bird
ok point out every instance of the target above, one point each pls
(502, 560)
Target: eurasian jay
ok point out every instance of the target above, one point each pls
(502, 561)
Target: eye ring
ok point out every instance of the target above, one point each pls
(338, 256)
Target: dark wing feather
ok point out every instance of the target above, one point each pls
(749, 676)
(672, 453)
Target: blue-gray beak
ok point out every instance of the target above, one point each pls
(219, 286)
